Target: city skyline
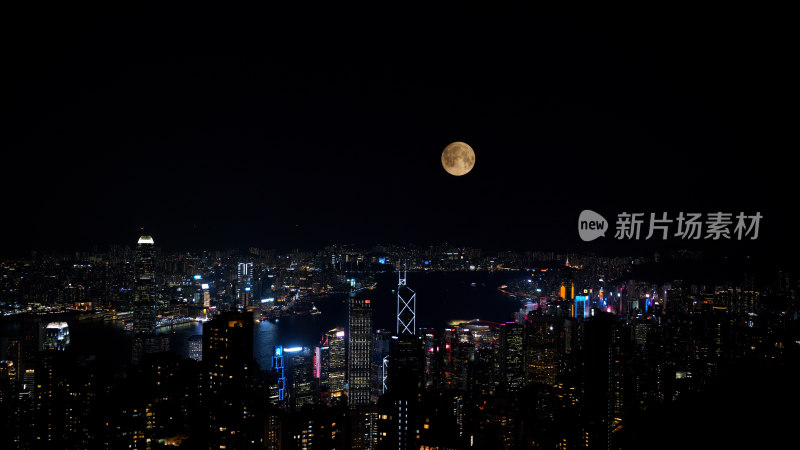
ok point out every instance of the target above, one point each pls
(467, 226)
(538, 347)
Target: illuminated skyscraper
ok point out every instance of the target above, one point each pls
(196, 347)
(512, 355)
(581, 308)
(432, 367)
(337, 364)
(144, 297)
(245, 272)
(278, 390)
(301, 376)
(206, 295)
(406, 307)
(56, 336)
(381, 344)
(245, 283)
(359, 347)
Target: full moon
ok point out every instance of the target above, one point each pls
(458, 158)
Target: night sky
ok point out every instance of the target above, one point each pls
(221, 128)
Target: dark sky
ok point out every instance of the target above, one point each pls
(281, 128)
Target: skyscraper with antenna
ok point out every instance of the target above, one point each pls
(406, 306)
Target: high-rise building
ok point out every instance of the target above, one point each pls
(48, 399)
(359, 349)
(196, 347)
(543, 349)
(380, 362)
(8, 391)
(432, 366)
(512, 356)
(406, 307)
(230, 368)
(406, 365)
(228, 349)
(598, 381)
(56, 336)
(405, 383)
(245, 284)
(206, 295)
(449, 344)
(336, 362)
(144, 298)
(301, 376)
(582, 306)
(278, 389)
(322, 358)
(245, 273)
(359, 365)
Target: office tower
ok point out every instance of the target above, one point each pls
(318, 428)
(144, 298)
(463, 359)
(245, 296)
(359, 348)
(336, 362)
(449, 358)
(51, 397)
(8, 402)
(484, 373)
(196, 347)
(56, 336)
(301, 376)
(228, 349)
(443, 421)
(278, 390)
(11, 349)
(8, 379)
(406, 307)
(562, 291)
(228, 358)
(359, 363)
(206, 295)
(404, 385)
(432, 366)
(598, 381)
(511, 346)
(245, 273)
(406, 361)
(543, 348)
(322, 357)
(582, 307)
(245, 283)
(381, 341)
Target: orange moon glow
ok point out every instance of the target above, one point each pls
(458, 158)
